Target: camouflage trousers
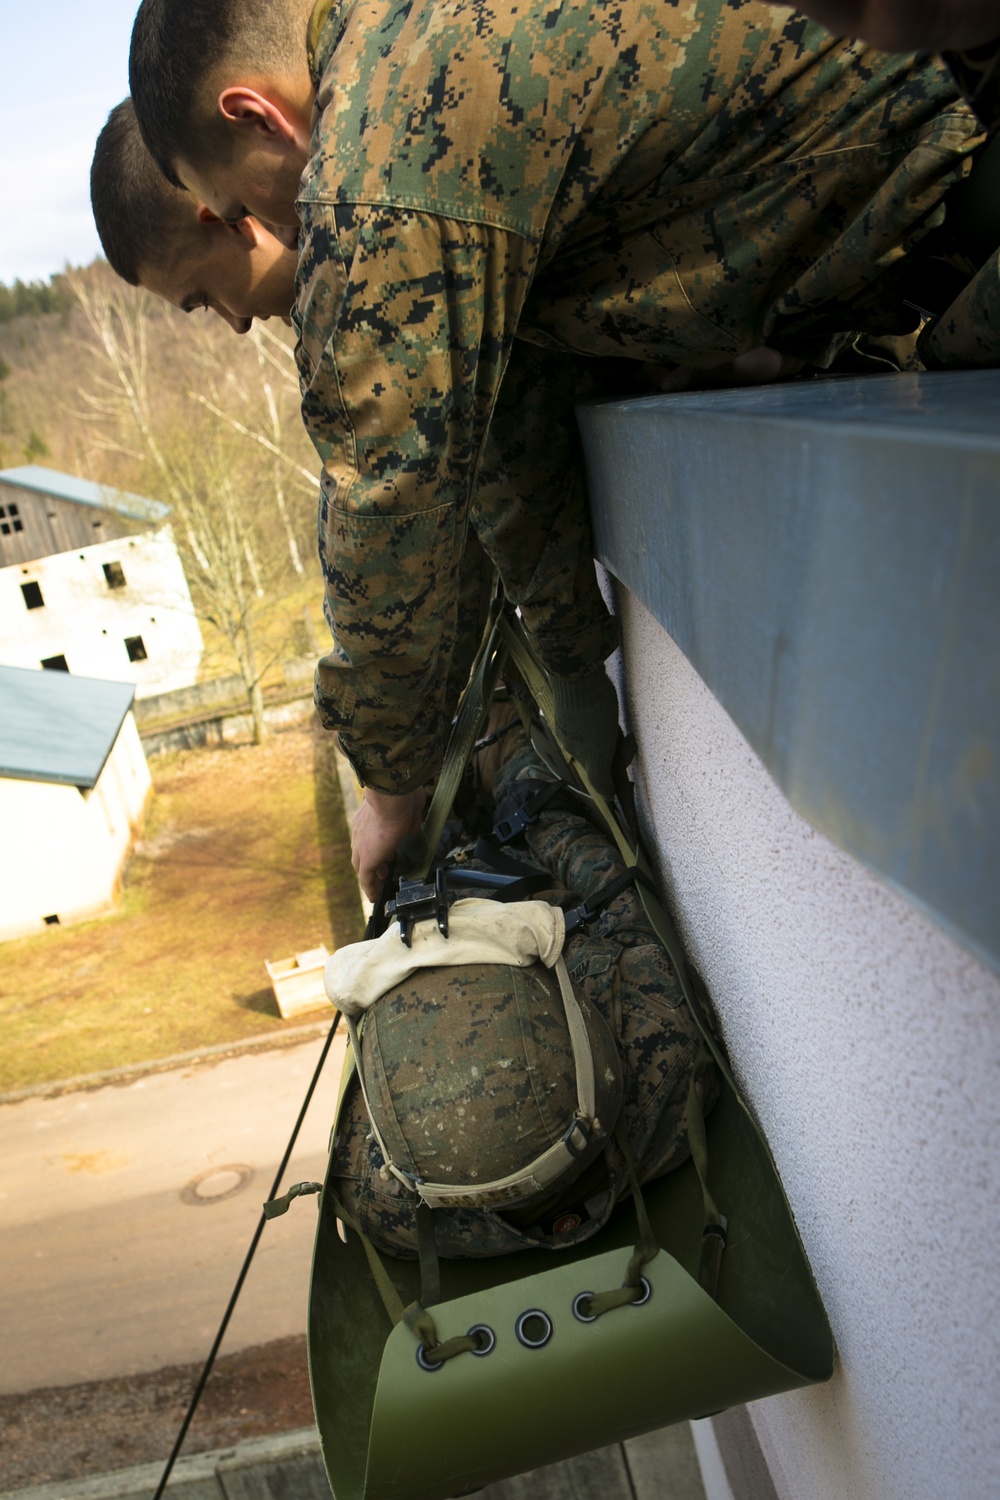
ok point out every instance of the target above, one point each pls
(620, 966)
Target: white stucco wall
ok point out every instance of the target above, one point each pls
(88, 622)
(63, 852)
(868, 1044)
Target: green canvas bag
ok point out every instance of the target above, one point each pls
(539, 1377)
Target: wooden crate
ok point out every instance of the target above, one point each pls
(298, 982)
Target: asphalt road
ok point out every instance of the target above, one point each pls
(125, 1213)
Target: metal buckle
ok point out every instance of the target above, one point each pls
(418, 901)
(509, 828)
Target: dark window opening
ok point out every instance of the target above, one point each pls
(12, 510)
(4, 528)
(32, 595)
(115, 574)
(3, 510)
(97, 525)
(51, 921)
(135, 648)
(18, 525)
(55, 664)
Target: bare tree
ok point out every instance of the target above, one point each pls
(272, 356)
(194, 452)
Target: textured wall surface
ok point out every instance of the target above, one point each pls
(868, 1043)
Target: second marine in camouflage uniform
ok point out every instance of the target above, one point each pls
(501, 199)
(620, 968)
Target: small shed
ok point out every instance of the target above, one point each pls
(74, 786)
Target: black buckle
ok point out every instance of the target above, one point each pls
(509, 828)
(595, 904)
(579, 916)
(522, 817)
(418, 901)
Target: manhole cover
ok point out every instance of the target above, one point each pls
(216, 1184)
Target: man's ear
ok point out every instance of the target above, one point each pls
(245, 229)
(239, 105)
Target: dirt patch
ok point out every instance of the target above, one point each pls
(245, 857)
(74, 1432)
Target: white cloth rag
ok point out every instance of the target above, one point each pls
(479, 932)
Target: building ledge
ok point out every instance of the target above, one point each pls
(827, 556)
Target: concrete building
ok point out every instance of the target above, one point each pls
(806, 579)
(91, 583)
(74, 785)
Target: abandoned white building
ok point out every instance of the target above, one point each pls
(74, 785)
(91, 583)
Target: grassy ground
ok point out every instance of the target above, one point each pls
(244, 857)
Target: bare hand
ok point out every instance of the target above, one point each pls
(381, 824)
(756, 367)
(909, 25)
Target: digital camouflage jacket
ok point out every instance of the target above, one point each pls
(506, 201)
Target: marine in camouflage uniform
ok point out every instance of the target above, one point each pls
(503, 205)
(619, 966)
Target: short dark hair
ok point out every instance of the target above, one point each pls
(176, 44)
(140, 217)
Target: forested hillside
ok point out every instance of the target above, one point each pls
(106, 382)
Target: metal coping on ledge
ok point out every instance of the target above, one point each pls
(827, 556)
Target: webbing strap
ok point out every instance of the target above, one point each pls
(505, 864)
(473, 711)
(592, 907)
(631, 851)
(646, 1246)
(419, 1321)
(275, 1207)
(391, 1300)
(430, 1266)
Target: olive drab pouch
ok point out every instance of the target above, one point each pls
(434, 1375)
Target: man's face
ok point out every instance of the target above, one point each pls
(260, 178)
(240, 271)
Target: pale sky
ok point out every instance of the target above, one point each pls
(65, 66)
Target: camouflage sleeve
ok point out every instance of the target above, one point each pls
(405, 322)
(530, 505)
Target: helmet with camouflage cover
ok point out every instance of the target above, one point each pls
(489, 1081)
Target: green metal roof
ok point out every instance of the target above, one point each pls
(56, 727)
(84, 492)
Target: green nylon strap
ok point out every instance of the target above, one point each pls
(430, 1267)
(274, 1207)
(698, 1144)
(414, 856)
(420, 1323)
(391, 1300)
(646, 1246)
(524, 659)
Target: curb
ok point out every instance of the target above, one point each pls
(216, 1053)
(196, 1468)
